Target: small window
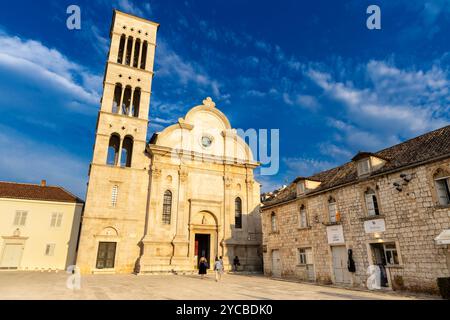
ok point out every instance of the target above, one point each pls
(128, 53)
(301, 187)
(443, 190)
(167, 207)
(305, 256)
(127, 151)
(302, 256)
(126, 102)
(390, 251)
(56, 219)
(371, 203)
(114, 193)
(144, 54)
(332, 210)
(50, 249)
(121, 49)
(303, 219)
(363, 167)
(273, 221)
(20, 218)
(238, 213)
(113, 150)
(137, 46)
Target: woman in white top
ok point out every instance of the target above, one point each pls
(218, 268)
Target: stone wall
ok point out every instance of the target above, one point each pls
(413, 218)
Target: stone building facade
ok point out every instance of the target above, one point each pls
(158, 206)
(390, 209)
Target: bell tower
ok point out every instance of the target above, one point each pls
(116, 198)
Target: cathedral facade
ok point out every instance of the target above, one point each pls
(159, 205)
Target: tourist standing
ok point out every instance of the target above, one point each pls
(202, 266)
(218, 268)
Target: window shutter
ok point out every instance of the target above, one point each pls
(17, 218)
(332, 211)
(53, 221)
(441, 187)
(58, 222)
(23, 218)
(308, 253)
(370, 205)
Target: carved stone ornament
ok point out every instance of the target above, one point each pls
(209, 103)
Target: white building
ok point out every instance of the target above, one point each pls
(39, 226)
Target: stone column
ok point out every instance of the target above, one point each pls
(225, 235)
(153, 207)
(181, 241)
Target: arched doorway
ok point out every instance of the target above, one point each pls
(203, 237)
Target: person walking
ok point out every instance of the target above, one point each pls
(236, 263)
(202, 266)
(218, 268)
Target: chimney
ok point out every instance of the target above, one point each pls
(43, 183)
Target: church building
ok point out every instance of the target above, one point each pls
(159, 205)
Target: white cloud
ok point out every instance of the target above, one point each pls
(301, 100)
(48, 67)
(393, 105)
(301, 166)
(129, 6)
(184, 72)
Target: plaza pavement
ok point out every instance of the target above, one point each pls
(51, 285)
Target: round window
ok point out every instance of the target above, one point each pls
(206, 141)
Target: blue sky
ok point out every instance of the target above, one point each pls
(309, 68)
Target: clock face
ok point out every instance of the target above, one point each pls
(206, 141)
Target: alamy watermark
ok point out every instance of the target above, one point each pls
(73, 21)
(227, 146)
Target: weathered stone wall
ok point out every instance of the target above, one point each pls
(412, 216)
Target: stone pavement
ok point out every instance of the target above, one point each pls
(46, 285)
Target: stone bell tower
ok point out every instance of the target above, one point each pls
(116, 199)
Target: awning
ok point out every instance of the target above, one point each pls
(443, 237)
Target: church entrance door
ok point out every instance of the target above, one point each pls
(202, 247)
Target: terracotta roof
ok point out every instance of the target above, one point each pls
(36, 192)
(429, 146)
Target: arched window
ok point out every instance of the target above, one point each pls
(136, 102)
(371, 203)
(117, 97)
(129, 49)
(144, 54)
(273, 222)
(121, 49)
(137, 46)
(127, 151)
(167, 207)
(113, 149)
(238, 213)
(303, 221)
(126, 100)
(332, 210)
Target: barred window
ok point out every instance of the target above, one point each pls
(238, 213)
(114, 193)
(167, 207)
